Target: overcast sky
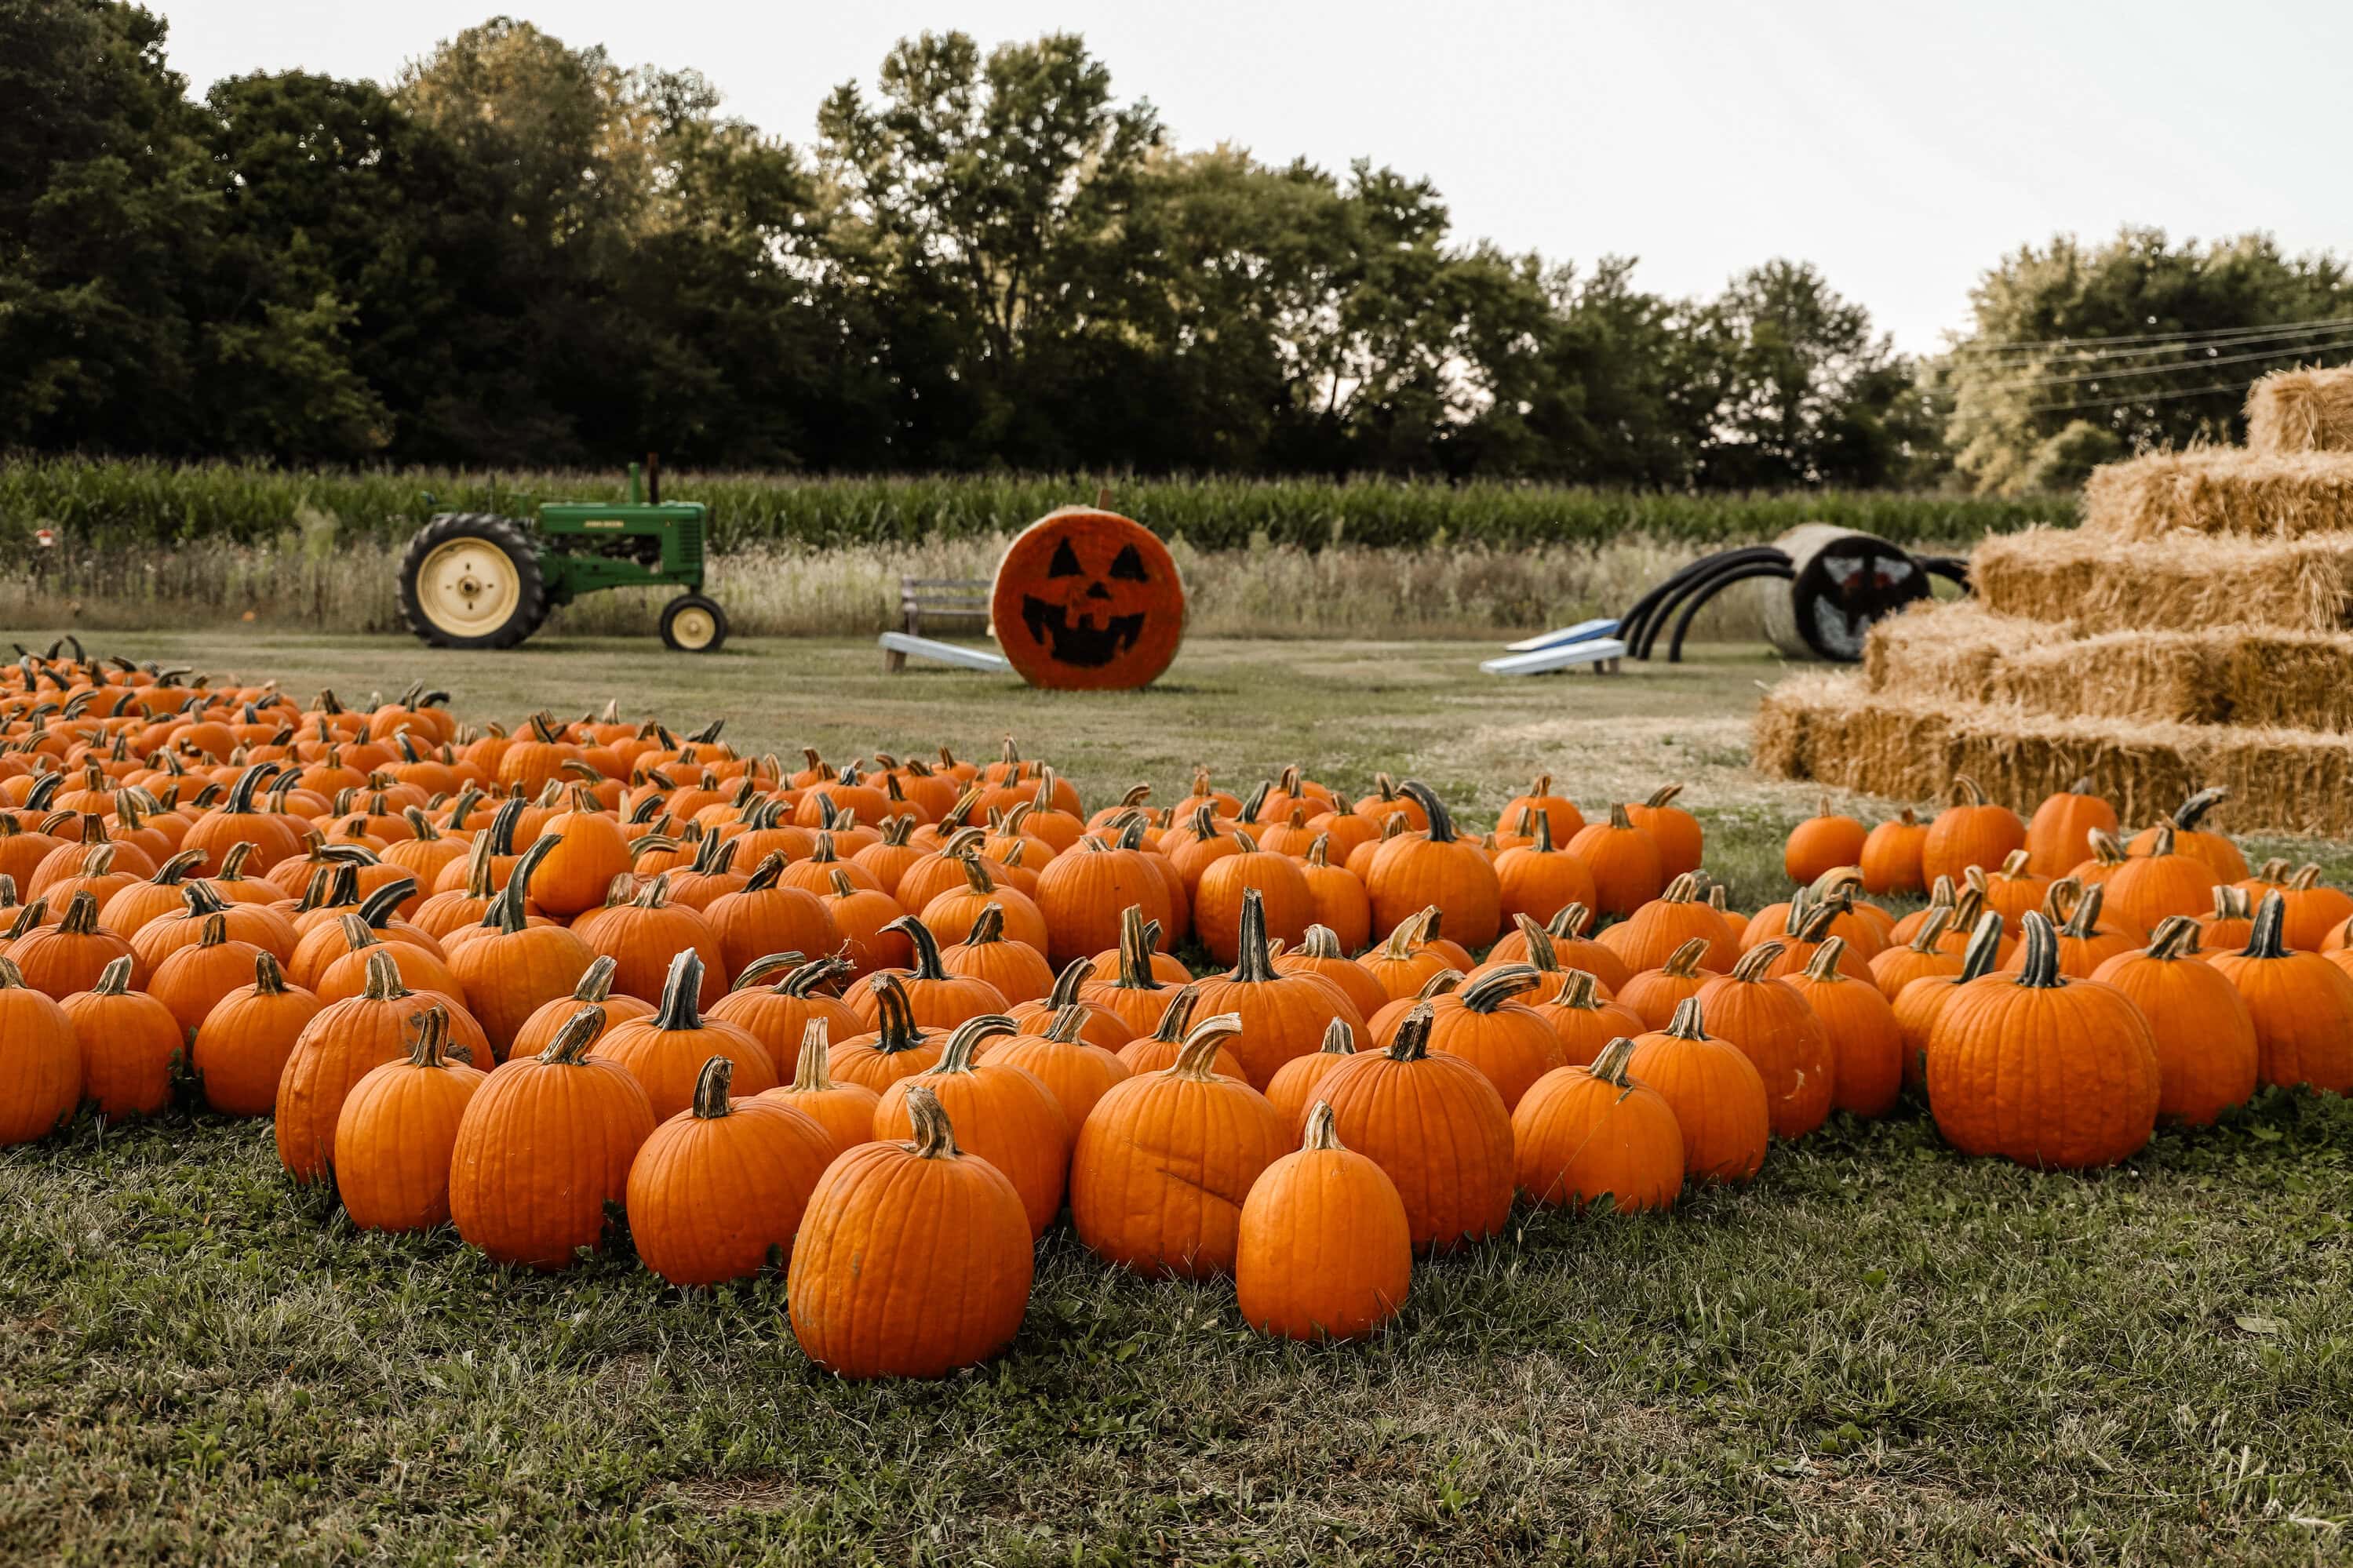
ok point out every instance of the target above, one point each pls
(1902, 147)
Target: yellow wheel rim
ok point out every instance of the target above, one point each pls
(468, 587)
(693, 630)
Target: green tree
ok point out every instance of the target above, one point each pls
(2039, 392)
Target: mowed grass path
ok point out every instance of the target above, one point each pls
(1877, 1351)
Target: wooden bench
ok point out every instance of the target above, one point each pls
(923, 600)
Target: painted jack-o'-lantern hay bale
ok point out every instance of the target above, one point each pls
(1088, 600)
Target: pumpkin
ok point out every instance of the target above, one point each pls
(590, 851)
(1969, 831)
(1010, 1117)
(2217, 850)
(1571, 948)
(643, 932)
(512, 967)
(1583, 1020)
(1326, 1250)
(913, 1258)
(865, 919)
(1286, 904)
(1924, 956)
(1408, 873)
(1715, 1090)
(1485, 1024)
(1890, 859)
(240, 1050)
(1074, 1072)
(1628, 871)
(1160, 1047)
(1076, 986)
(896, 1048)
(1539, 879)
(159, 896)
(1859, 1023)
(1018, 970)
(129, 1044)
(1821, 844)
(2161, 880)
(2206, 1056)
(1163, 1161)
(193, 980)
(845, 1110)
(1679, 914)
(2232, 921)
(544, 1146)
(596, 989)
(763, 917)
(951, 912)
(1557, 813)
(2302, 1004)
(2083, 942)
(1405, 961)
(1865, 928)
(396, 1130)
(666, 1052)
(40, 1061)
(935, 998)
(1581, 1134)
(1675, 831)
(1436, 1125)
(1297, 1084)
(59, 960)
(718, 1191)
(1919, 1000)
(2058, 836)
(1084, 893)
(2042, 1069)
(2313, 911)
(1653, 995)
(1138, 986)
(1813, 928)
(337, 1049)
(1283, 1015)
(1087, 600)
(1321, 953)
(1337, 897)
(2012, 889)
(1769, 1021)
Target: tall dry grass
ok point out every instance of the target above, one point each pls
(313, 575)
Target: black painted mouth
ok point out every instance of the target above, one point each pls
(1085, 645)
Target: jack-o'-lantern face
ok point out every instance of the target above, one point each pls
(1088, 599)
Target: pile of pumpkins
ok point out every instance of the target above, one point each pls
(884, 1022)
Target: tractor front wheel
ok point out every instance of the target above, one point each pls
(693, 624)
(471, 580)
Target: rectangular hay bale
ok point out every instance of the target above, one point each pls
(1831, 730)
(2188, 581)
(2301, 411)
(1945, 650)
(2221, 489)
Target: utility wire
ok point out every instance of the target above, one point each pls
(2087, 347)
(2175, 367)
(2238, 386)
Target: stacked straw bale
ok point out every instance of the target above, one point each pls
(2301, 411)
(2197, 630)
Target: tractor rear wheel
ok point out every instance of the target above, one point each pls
(693, 624)
(472, 580)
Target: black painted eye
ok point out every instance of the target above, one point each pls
(1065, 562)
(1128, 566)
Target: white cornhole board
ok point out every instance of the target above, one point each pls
(906, 647)
(1584, 631)
(1564, 655)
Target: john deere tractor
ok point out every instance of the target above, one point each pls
(471, 579)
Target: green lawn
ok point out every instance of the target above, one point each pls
(1877, 1351)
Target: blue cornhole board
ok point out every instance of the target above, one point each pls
(1561, 656)
(1584, 631)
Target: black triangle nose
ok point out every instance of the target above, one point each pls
(1098, 592)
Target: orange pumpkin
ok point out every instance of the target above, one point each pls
(1970, 832)
(1821, 844)
(2059, 835)
(2206, 1056)
(396, 1130)
(845, 1110)
(1715, 1090)
(1325, 1250)
(1628, 871)
(1087, 600)
(720, 1189)
(1859, 1023)
(2302, 1004)
(1583, 1134)
(1011, 1119)
(130, 1043)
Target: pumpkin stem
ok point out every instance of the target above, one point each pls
(1253, 964)
(1441, 984)
(1619, 821)
(935, 1138)
(2187, 816)
(429, 1045)
(1966, 791)
(681, 989)
(1579, 989)
(1177, 1017)
(2014, 864)
(926, 966)
(1064, 1026)
(1321, 1132)
(1984, 949)
(1200, 1048)
(2175, 937)
(894, 1020)
(1687, 1022)
(966, 1039)
(1441, 820)
(508, 913)
(1932, 925)
(812, 1071)
(988, 926)
(1750, 969)
(1412, 1041)
(2268, 939)
(2039, 967)
(1075, 977)
(1569, 925)
(1609, 1065)
(570, 1046)
(1321, 942)
(2230, 903)
(1497, 986)
(82, 915)
(1683, 962)
(1683, 890)
(1824, 966)
(2306, 876)
(1542, 955)
(2085, 920)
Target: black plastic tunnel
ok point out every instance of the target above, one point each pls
(1704, 587)
(1640, 616)
(1714, 586)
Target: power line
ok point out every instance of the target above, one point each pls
(2238, 386)
(2175, 367)
(2156, 342)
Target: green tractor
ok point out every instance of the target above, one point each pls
(471, 579)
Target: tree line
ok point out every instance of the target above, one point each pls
(523, 252)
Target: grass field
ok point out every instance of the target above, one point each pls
(1877, 1352)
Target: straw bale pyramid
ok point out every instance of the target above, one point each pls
(2196, 630)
